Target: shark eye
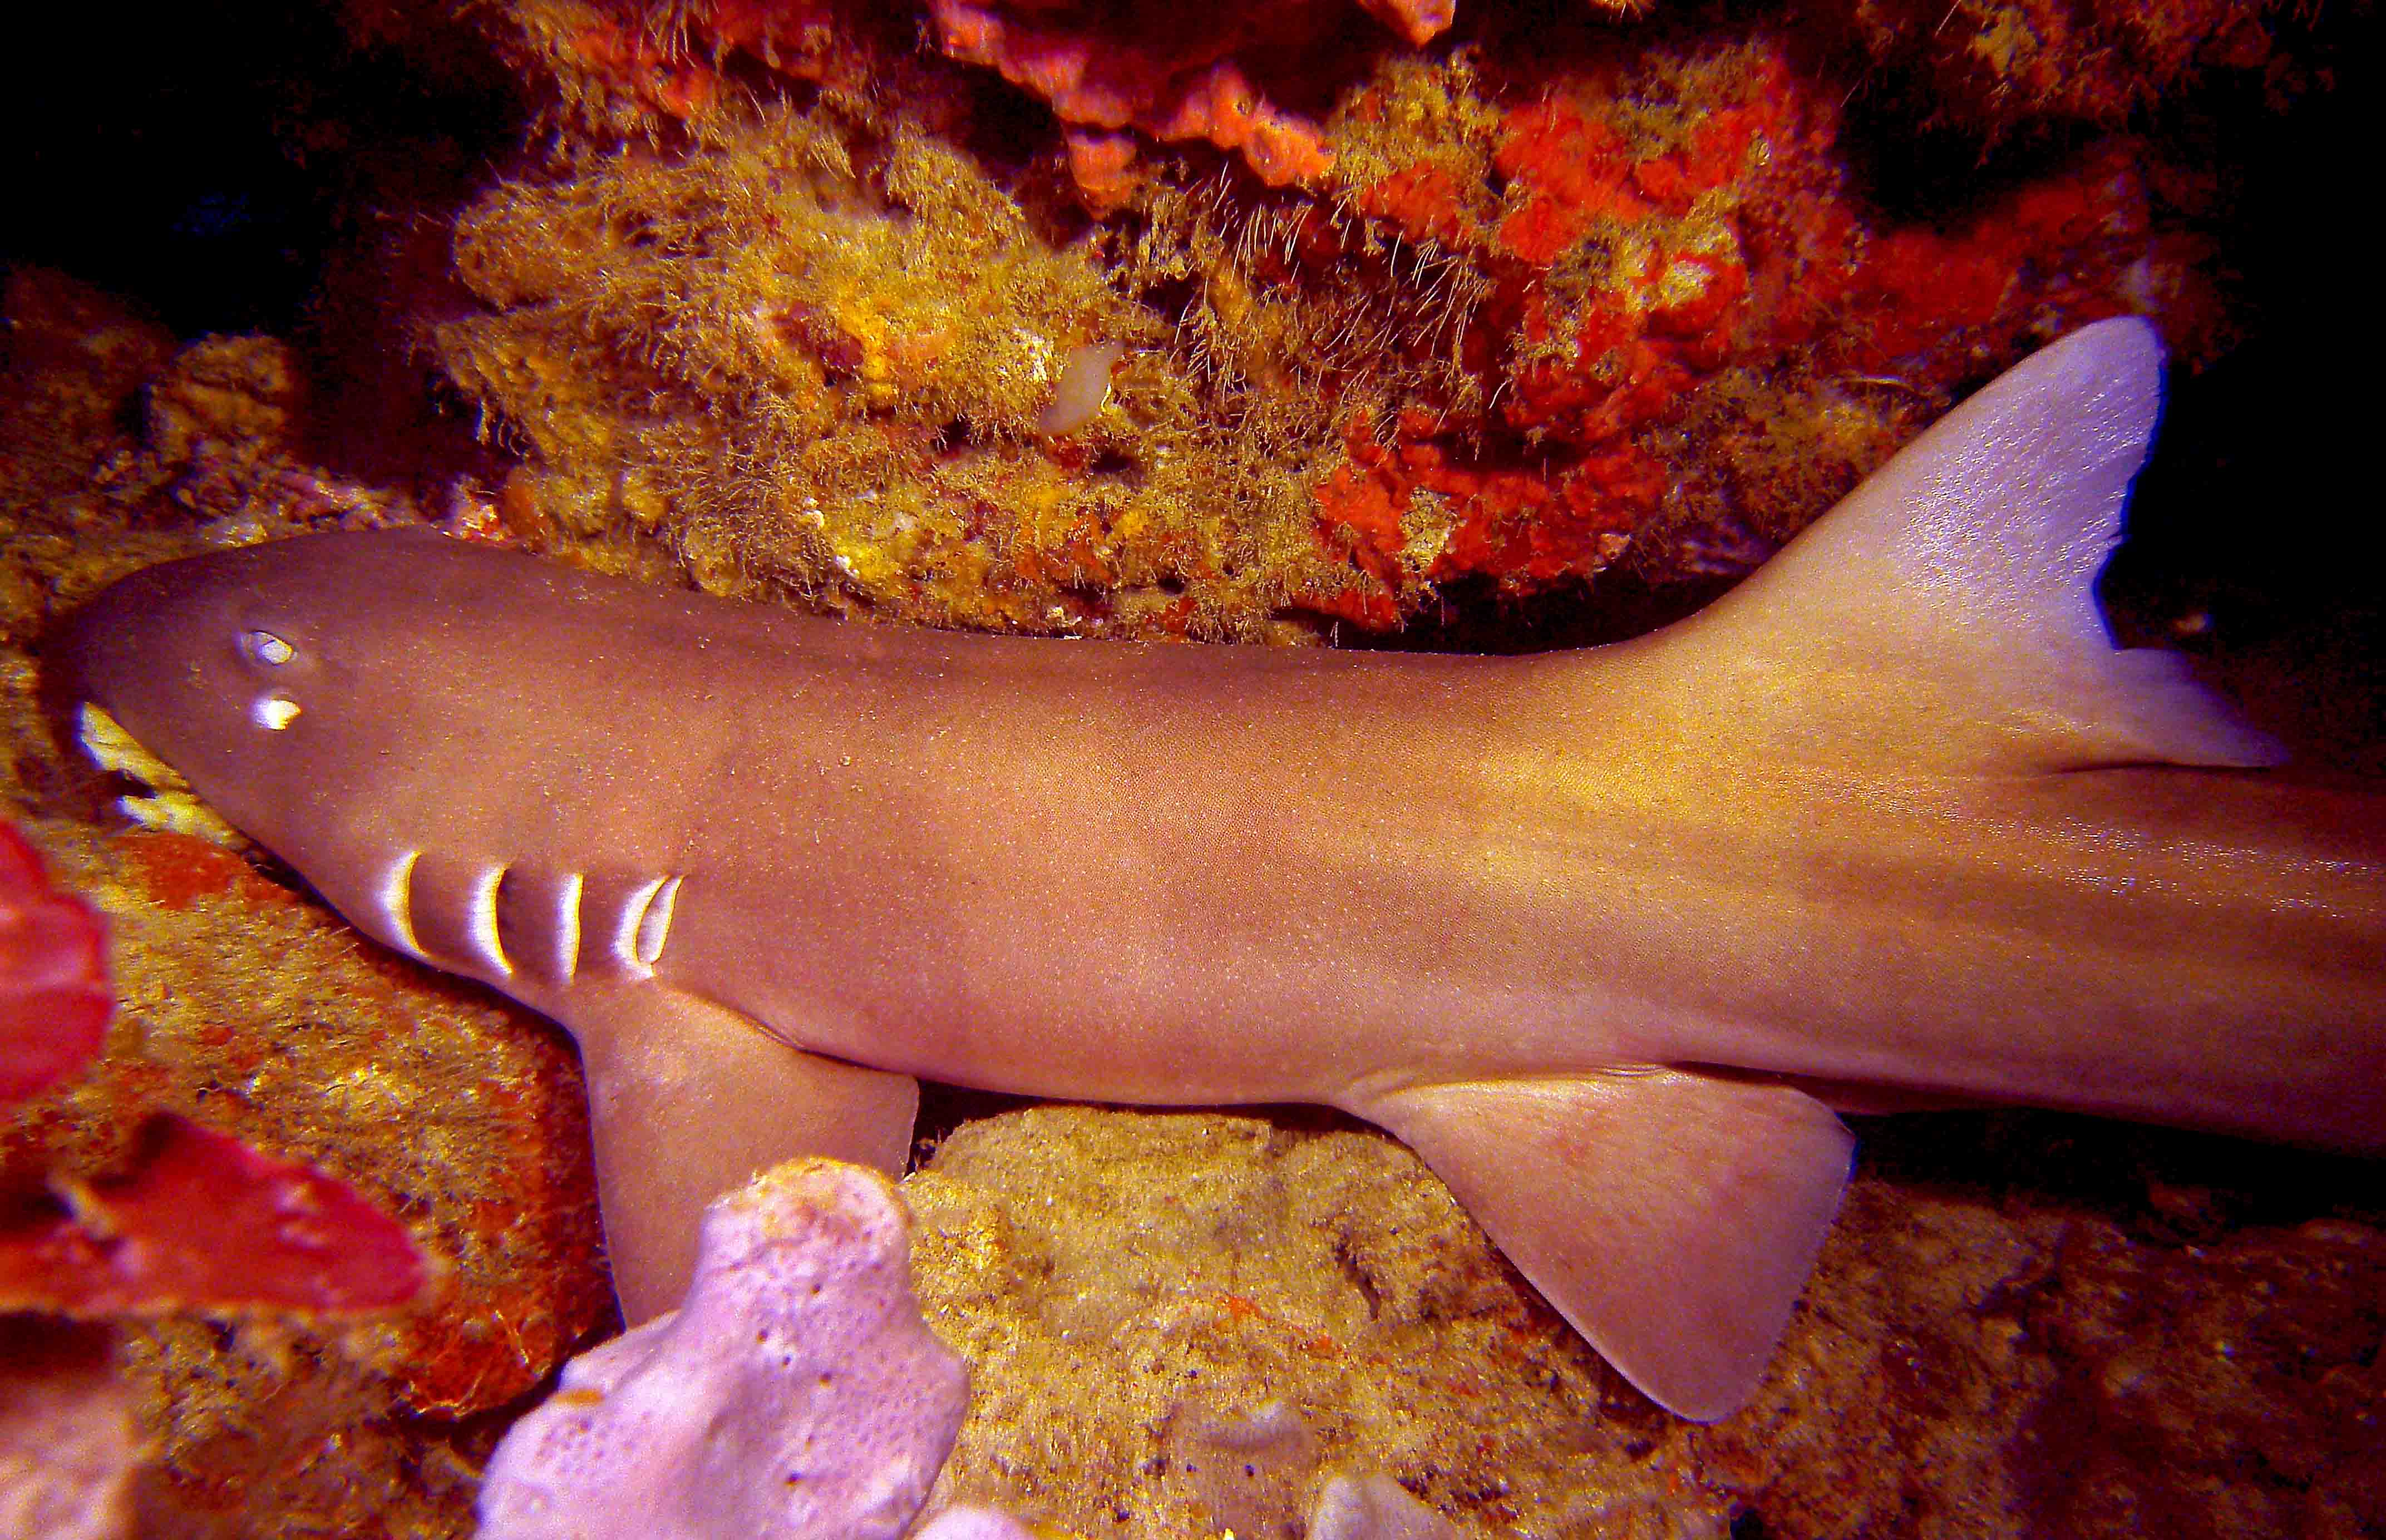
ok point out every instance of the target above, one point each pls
(267, 648)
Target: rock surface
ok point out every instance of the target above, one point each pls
(1181, 1323)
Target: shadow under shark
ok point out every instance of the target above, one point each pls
(1604, 935)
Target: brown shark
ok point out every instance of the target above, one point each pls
(1604, 935)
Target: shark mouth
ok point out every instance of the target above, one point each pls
(165, 800)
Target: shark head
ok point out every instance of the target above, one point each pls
(421, 729)
(281, 681)
(217, 667)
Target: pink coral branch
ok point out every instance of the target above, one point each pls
(207, 1222)
(54, 999)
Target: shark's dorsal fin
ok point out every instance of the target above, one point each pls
(1943, 616)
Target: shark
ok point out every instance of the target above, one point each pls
(1609, 937)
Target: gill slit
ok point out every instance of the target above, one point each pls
(654, 926)
(644, 927)
(482, 920)
(625, 932)
(397, 899)
(567, 926)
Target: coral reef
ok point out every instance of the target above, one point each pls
(74, 359)
(841, 374)
(1712, 339)
(1160, 70)
(219, 422)
(1519, 320)
(1992, 68)
(1179, 1323)
(1241, 1310)
(793, 1392)
(632, 70)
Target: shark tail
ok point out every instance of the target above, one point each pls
(1943, 616)
(1940, 622)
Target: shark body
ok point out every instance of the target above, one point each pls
(1606, 936)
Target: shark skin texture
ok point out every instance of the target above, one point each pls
(1606, 936)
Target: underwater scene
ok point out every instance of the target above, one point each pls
(1345, 769)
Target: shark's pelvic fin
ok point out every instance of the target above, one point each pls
(1671, 1217)
(1943, 616)
(688, 1099)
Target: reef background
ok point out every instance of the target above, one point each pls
(1536, 326)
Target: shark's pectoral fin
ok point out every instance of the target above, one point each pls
(689, 1099)
(1671, 1217)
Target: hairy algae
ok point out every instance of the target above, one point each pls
(809, 362)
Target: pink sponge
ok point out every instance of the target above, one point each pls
(795, 1392)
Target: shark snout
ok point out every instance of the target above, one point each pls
(121, 652)
(160, 653)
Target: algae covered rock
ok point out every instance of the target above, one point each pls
(1180, 1324)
